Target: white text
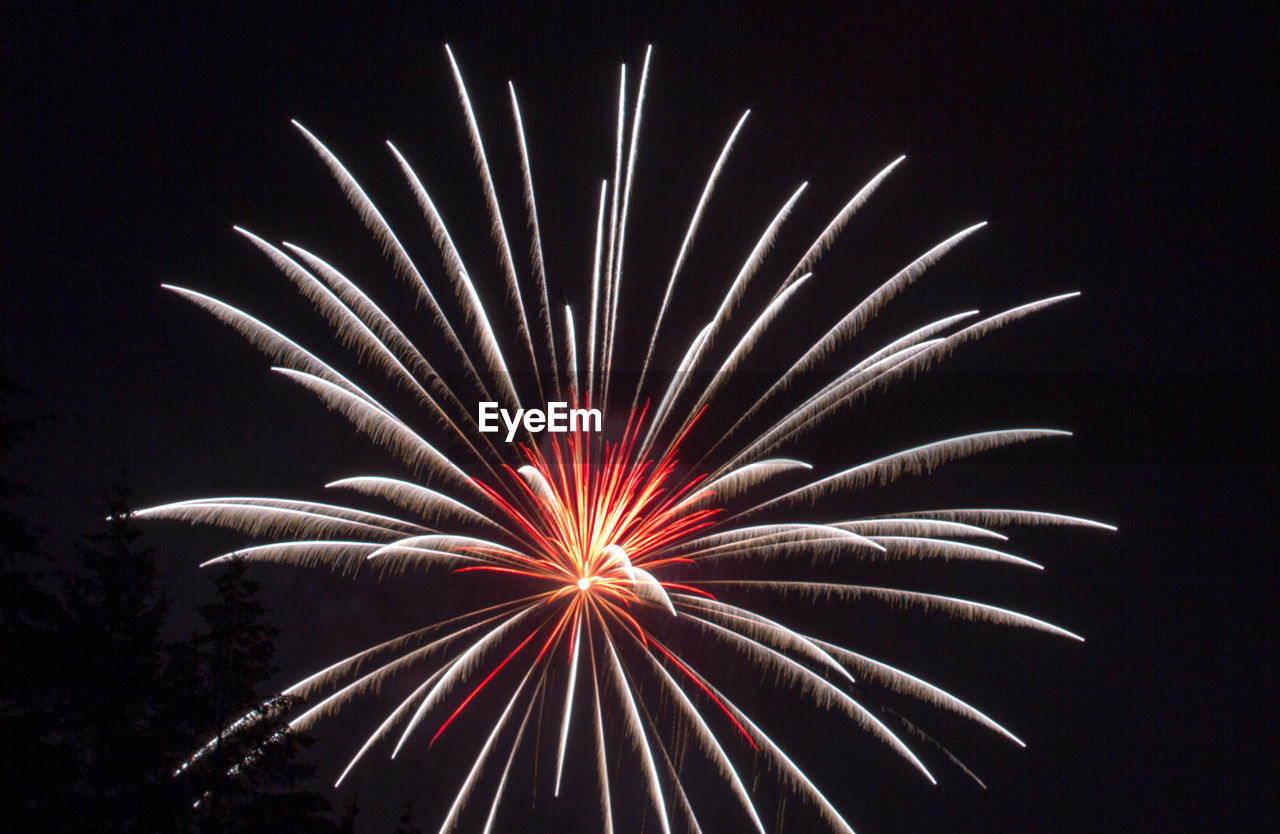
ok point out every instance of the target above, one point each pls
(557, 418)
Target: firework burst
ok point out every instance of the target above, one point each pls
(600, 544)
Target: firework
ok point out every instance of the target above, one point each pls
(604, 542)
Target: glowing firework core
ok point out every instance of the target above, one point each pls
(573, 503)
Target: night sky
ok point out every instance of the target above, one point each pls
(1126, 153)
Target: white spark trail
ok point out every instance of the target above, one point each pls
(857, 318)
(636, 730)
(498, 230)
(727, 305)
(743, 348)
(950, 605)
(837, 225)
(817, 687)
(913, 338)
(595, 298)
(390, 721)
(535, 244)
(918, 546)
(373, 316)
(441, 542)
(331, 674)
(515, 747)
(1000, 518)
(571, 352)
(397, 714)
(916, 524)
(464, 287)
(707, 740)
(622, 220)
(606, 341)
(781, 761)
(685, 246)
(900, 681)
(761, 629)
(428, 503)
(893, 348)
(391, 339)
(381, 426)
(647, 587)
(337, 554)
(602, 765)
(975, 331)
(914, 359)
(538, 484)
(349, 326)
(270, 341)
(455, 672)
(273, 516)
(465, 792)
(374, 679)
(811, 413)
(737, 481)
(681, 799)
(391, 245)
(672, 390)
(779, 534)
(911, 461)
(568, 703)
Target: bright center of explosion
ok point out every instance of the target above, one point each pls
(584, 583)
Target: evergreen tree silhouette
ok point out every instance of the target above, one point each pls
(405, 822)
(115, 718)
(31, 655)
(347, 825)
(250, 779)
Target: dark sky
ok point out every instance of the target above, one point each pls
(1126, 153)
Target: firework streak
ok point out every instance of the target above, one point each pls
(603, 546)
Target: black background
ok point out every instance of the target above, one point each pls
(1127, 153)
